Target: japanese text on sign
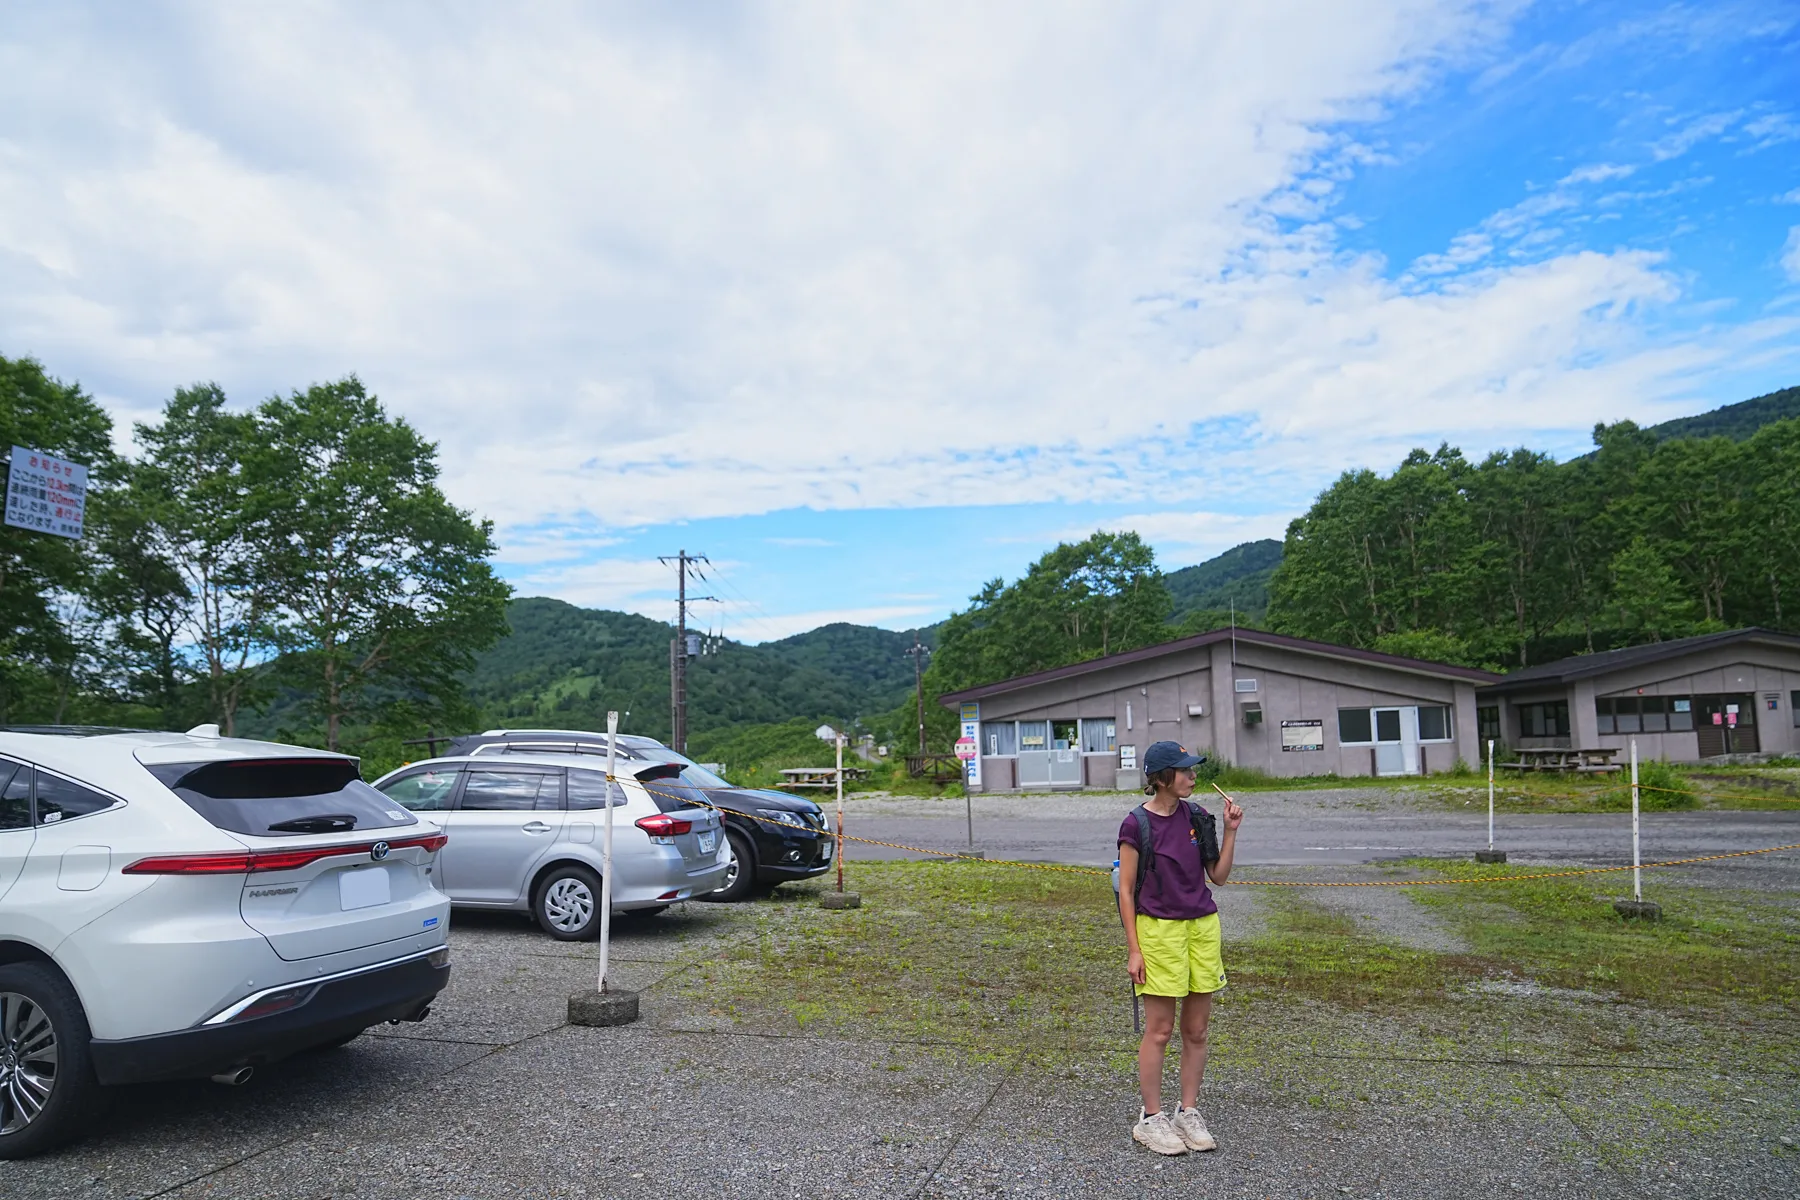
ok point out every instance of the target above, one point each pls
(45, 493)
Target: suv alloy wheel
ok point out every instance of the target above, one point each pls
(47, 1085)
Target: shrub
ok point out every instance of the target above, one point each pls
(1660, 788)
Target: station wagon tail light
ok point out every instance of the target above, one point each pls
(662, 825)
(249, 861)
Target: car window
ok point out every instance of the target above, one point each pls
(422, 791)
(281, 797)
(15, 796)
(587, 787)
(60, 799)
(510, 791)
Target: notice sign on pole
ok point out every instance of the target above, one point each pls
(46, 494)
(968, 745)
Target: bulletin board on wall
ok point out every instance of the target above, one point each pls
(1302, 735)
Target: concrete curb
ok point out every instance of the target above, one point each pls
(841, 900)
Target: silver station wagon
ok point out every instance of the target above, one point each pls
(525, 835)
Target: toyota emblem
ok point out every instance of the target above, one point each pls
(378, 851)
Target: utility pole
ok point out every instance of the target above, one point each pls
(678, 650)
(918, 653)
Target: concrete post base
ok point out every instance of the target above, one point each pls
(841, 900)
(966, 853)
(1638, 910)
(1490, 856)
(603, 1008)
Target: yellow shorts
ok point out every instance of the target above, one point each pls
(1180, 956)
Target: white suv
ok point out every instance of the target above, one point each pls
(183, 905)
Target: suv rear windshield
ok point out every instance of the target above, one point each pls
(282, 797)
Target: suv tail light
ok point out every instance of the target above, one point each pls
(269, 860)
(663, 825)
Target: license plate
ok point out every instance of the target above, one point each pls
(708, 841)
(364, 888)
(825, 851)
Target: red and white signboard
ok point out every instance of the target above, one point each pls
(46, 494)
(965, 748)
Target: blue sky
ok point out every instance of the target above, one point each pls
(870, 305)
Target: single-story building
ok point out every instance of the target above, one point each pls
(1736, 692)
(1285, 705)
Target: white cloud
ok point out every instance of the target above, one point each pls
(640, 265)
(1790, 254)
(1792, 197)
(1597, 173)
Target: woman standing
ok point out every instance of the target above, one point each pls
(1172, 936)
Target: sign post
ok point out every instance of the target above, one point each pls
(1490, 855)
(606, 1006)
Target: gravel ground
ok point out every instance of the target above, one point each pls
(495, 1096)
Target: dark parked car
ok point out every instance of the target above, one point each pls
(774, 837)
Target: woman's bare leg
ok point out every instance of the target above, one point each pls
(1196, 1013)
(1159, 1027)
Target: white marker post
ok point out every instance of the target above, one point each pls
(1637, 880)
(840, 898)
(1490, 855)
(606, 839)
(1636, 908)
(1490, 795)
(606, 1006)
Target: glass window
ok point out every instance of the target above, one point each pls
(1063, 735)
(60, 799)
(1603, 714)
(15, 796)
(1354, 726)
(422, 791)
(1387, 724)
(1487, 724)
(587, 790)
(511, 791)
(1681, 711)
(1000, 738)
(1653, 712)
(1544, 720)
(1746, 715)
(1098, 735)
(1434, 723)
(1034, 735)
(1625, 714)
(280, 795)
(1794, 707)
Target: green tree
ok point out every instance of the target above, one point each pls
(1649, 600)
(382, 589)
(41, 413)
(191, 493)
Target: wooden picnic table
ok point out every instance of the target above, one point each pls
(1592, 760)
(819, 777)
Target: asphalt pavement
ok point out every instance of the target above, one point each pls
(1335, 827)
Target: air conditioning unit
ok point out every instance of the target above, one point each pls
(1252, 714)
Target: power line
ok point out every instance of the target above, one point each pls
(678, 649)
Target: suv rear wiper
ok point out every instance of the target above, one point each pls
(323, 823)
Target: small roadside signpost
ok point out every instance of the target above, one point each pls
(1490, 855)
(1636, 907)
(840, 898)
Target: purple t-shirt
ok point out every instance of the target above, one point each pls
(1176, 889)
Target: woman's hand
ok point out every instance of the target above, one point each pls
(1134, 967)
(1234, 816)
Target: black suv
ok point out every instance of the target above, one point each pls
(774, 837)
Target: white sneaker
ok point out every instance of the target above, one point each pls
(1156, 1132)
(1190, 1127)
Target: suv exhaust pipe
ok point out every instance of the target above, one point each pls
(236, 1078)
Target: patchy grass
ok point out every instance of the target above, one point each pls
(1711, 945)
(989, 961)
(1558, 793)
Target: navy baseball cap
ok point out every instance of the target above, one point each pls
(1163, 755)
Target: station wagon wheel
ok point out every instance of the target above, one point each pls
(567, 903)
(47, 1085)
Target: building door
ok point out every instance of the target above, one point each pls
(1034, 754)
(1725, 725)
(1397, 741)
